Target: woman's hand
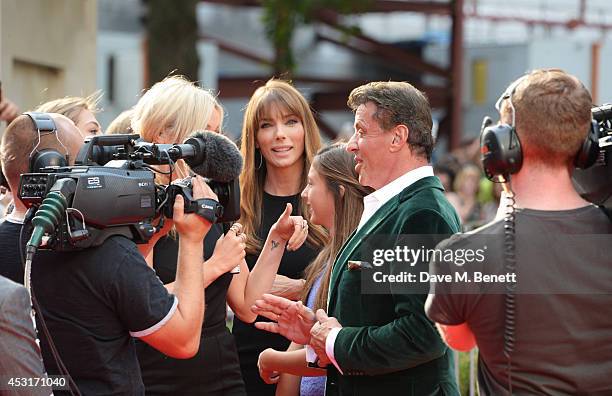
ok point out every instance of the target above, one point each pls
(266, 373)
(229, 250)
(293, 229)
(287, 287)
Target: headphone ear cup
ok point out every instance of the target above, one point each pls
(589, 151)
(500, 150)
(44, 158)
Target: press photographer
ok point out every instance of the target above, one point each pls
(94, 300)
(548, 332)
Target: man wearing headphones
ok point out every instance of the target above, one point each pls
(16, 152)
(94, 301)
(545, 329)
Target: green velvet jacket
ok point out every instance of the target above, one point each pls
(387, 345)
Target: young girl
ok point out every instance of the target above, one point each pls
(335, 201)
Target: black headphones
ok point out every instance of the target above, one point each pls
(500, 147)
(44, 124)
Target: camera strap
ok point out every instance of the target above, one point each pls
(208, 209)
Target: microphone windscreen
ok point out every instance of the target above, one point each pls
(221, 160)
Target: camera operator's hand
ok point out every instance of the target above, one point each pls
(191, 226)
(179, 337)
(293, 229)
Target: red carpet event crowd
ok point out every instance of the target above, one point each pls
(127, 318)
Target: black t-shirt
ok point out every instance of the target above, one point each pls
(10, 265)
(164, 262)
(563, 336)
(251, 341)
(92, 301)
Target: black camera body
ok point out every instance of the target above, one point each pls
(121, 200)
(595, 183)
(107, 201)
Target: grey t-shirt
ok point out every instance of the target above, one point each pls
(563, 336)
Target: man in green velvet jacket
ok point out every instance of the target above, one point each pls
(382, 344)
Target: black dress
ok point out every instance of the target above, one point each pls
(251, 341)
(215, 369)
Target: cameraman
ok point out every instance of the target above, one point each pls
(552, 334)
(94, 300)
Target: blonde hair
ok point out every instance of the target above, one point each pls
(122, 124)
(336, 167)
(71, 106)
(553, 115)
(253, 176)
(171, 111)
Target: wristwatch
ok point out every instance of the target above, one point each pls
(209, 209)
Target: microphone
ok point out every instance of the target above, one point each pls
(215, 156)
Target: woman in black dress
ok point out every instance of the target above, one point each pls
(279, 139)
(165, 115)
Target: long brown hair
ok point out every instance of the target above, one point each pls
(336, 167)
(253, 176)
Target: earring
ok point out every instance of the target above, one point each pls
(258, 167)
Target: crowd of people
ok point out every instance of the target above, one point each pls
(151, 318)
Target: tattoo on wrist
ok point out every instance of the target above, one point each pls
(274, 244)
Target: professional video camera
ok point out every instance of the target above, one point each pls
(81, 206)
(595, 183)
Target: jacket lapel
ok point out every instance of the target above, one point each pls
(357, 237)
(355, 241)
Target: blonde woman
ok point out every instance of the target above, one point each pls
(122, 124)
(168, 113)
(279, 139)
(81, 110)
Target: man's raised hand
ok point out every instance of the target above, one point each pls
(290, 319)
